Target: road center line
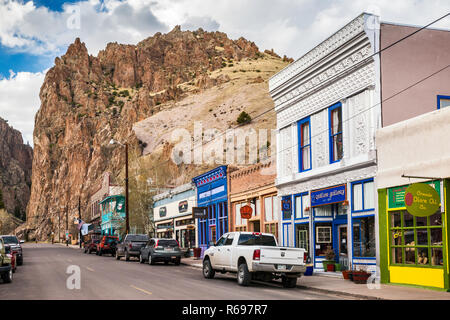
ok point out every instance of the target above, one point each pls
(142, 290)
(90, 269)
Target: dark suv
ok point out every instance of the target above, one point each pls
(107, 245)
(16, 248)
(5, 264)
(131, 246)
(166, 250)
(90, 244)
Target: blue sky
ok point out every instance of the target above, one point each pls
(34, 32)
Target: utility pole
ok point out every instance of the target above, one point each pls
(59, 226)
(127, 228)
(127, 219)
(67, 225)
(79, 217)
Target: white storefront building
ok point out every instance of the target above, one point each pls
(327, 106)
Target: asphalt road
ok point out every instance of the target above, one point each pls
(43, 276)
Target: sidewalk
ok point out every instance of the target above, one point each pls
(334, 283)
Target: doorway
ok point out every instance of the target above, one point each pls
(342, 236)
(212, 234)
(256, 226)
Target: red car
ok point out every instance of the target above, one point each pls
(107, 245)
(13, 256)
(90, 244)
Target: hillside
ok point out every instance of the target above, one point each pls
(86, 101)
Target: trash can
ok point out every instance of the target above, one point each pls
(197, 253)
(309, 271)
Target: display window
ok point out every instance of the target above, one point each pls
(324, 238)
(414, 240)
(364, 237)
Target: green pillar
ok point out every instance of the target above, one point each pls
(383, 236)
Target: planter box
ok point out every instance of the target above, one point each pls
(360, 277)
(346, 274)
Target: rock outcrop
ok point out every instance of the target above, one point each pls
(86, 101)
(15, 170)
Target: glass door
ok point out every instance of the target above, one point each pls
(342, 230)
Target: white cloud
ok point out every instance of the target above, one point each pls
(19, 101)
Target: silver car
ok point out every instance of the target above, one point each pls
(161, 250)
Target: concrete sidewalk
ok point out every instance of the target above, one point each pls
(334, 283)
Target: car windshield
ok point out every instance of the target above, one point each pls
(256, 240)
(138, 237)
(167, 243)
(10, 240)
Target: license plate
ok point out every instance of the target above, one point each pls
(174, 257)
(281, 267)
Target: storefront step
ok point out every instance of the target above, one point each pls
(328, 274)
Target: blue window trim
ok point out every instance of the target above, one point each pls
(439, 97)
(288, 224)
(360, 249)
(295, 234)
(353, 198)
(300, 147)
(330, 136)
(295, 205)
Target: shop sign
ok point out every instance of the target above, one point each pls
(199, 212)
(396, 195)
(162, 211)
(246, 212)
(183, 206)
(190, 227)
(120, 205)
(421, 200)
(328, 195)
(286, 207)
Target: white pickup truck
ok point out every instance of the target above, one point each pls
(254, 256)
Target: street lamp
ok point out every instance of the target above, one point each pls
(127, 222)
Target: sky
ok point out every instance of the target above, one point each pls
(34, 32)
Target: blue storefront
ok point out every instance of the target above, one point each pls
(340, 218)
(212, 193)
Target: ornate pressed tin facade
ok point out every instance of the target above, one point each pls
(341, 74)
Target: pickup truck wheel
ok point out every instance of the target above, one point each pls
(7, 277)
(127, 256)
(178, 261)
(141, 259)
(117, 255)
(243, 275)
(208, 271)
(289, 282)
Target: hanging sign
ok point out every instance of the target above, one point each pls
(183, 206)
(286, 207)
(421, 200)
(199, 212)
(246, 212)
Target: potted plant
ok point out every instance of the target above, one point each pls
(347, 273)
(360, 276)
(329, 256)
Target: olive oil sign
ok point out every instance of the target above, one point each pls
(421, 200)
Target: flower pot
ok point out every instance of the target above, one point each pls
(330, 267)
(324, 263)
(360, 277)
(345, 274)
(338, 267)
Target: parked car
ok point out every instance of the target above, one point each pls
(255, 256)
(156, 250)
(13, 256)
(15, 246)
(90, 245)
(107, 245)
(131, 246)
(6, 271)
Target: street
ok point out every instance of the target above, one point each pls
(43, 276)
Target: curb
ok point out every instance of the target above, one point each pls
(341, 293)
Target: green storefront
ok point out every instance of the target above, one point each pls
(414, 248)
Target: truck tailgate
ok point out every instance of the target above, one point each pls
(281, 255)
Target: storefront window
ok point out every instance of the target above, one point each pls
(301, 203)
(323, 239)
(272, 228)
(302, 236)
(268, 209)
(364, 237)
(363, 196)
(416, 240)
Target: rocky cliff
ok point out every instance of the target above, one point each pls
(15, 170)
(86, 101)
